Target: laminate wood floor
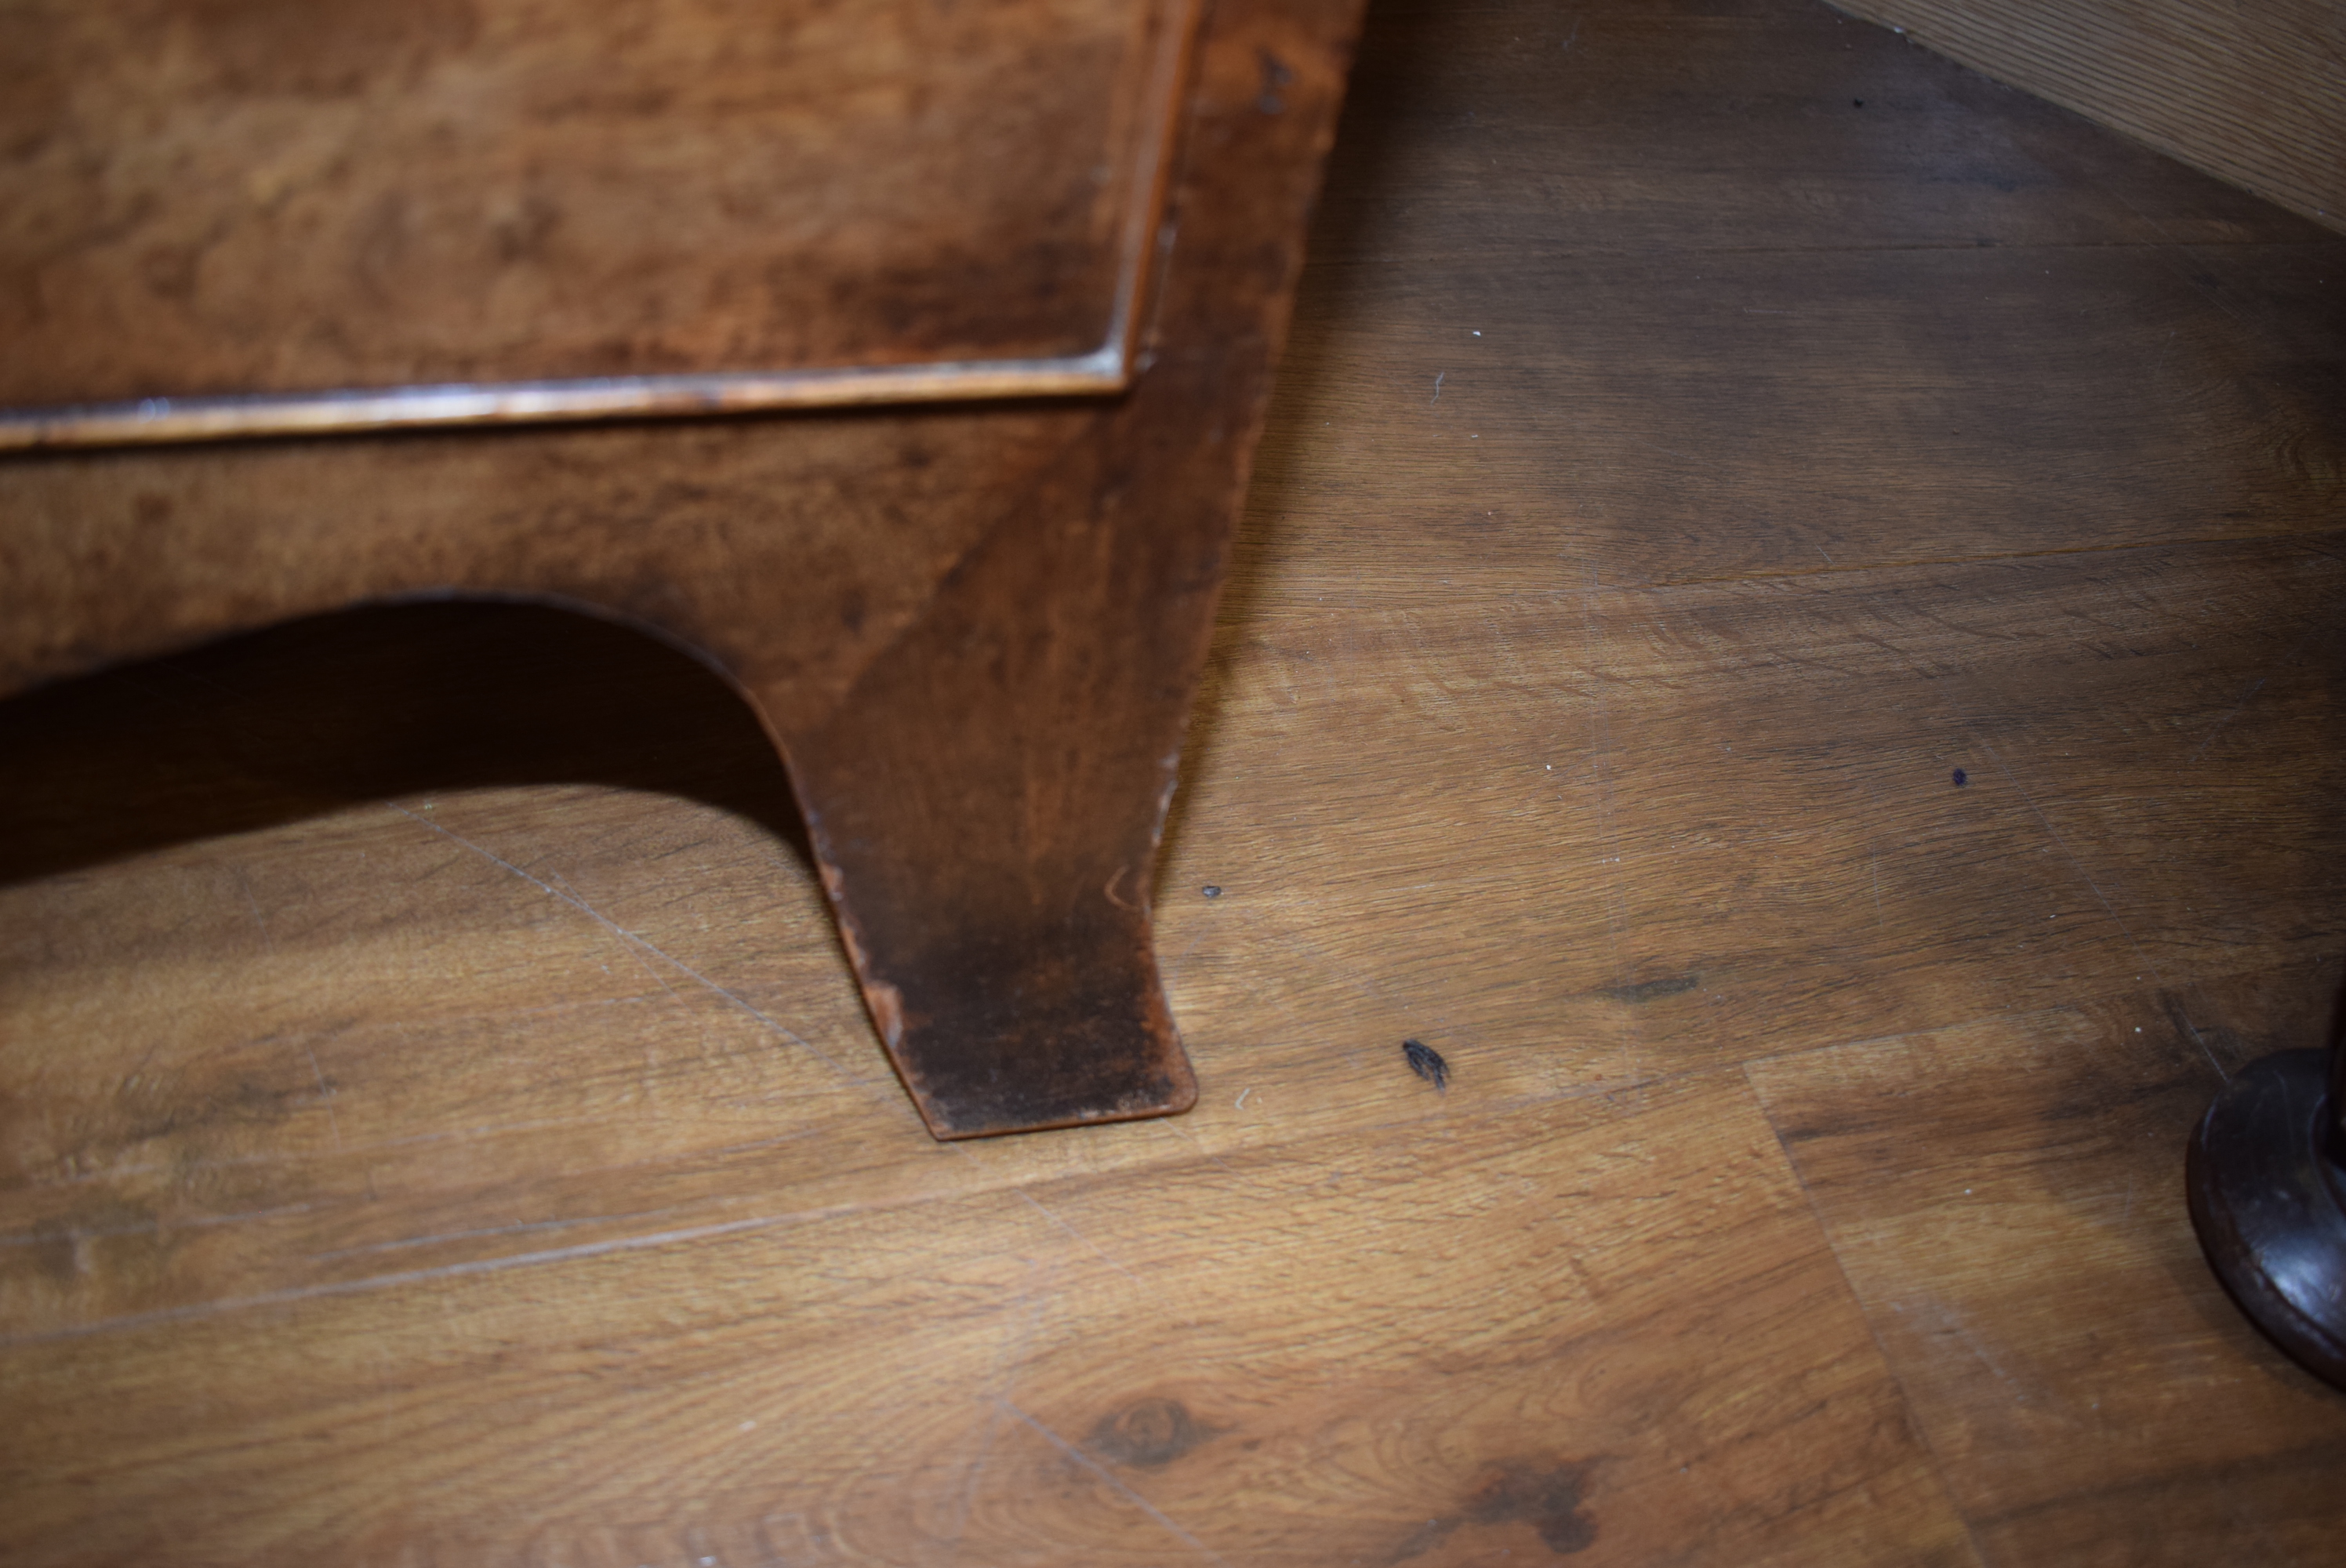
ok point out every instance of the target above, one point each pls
(1788, 625)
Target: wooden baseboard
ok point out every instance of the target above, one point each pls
(2253, 94)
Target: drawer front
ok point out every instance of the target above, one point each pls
(233, 215)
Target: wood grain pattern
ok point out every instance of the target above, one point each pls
(1739, 798)
(1734, 125)
(1079, 1371)
(973, 630)
(1943, 325)
(1736, 1001)
(248, 197)
(2112, 1407)
(2254, 94)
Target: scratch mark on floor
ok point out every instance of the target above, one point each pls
(777, 1025)
(2175, 1005)
(1089, 1463)
(1209, 1155)
(1970, 1343)
(1437, 388)
(524, 1228)
(1009, 1355)
(1030, 1199)
(634, 950)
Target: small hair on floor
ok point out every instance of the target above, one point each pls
(1426, 1062)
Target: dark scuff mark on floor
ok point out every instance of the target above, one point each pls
(1546, 1494)
(1652, 990)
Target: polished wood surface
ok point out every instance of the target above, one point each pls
(248, 197)
(442, 1126)
(971, 629)
(2255, 94)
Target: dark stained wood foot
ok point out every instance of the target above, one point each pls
(995, 908)
(2268, 1190)
(985, 806)
(1016, 1024)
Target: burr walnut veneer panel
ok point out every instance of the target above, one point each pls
(253, 196)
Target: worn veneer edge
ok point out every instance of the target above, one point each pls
(1104, 372)
(1145, 241)
(164, 419)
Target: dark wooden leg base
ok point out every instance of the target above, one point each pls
(1027, 1029)
(2269, 1200)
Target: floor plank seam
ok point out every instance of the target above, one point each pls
(1914, 1424)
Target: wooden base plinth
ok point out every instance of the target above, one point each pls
(2265, 1185)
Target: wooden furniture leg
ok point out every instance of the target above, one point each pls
(984, 796)
(2267, 1175)
(985, 806)
(971, 625)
